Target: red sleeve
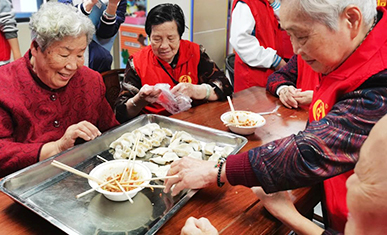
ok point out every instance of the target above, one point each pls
(13, 155)
(239, 171)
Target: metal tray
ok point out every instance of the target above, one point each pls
(50, 192)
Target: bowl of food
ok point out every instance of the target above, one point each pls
(118, 172)
(244, 123)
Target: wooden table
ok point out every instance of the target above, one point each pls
(232, 210)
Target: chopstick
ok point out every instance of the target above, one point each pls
(132, 181)
(79, 173)
(123, 190)
(157, 178)
(145, 186)
(75, 171)
(101, 158)
(93, 189)
(132, 155)
(232, 111)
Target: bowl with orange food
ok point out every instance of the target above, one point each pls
(243, 122)
(124, 177)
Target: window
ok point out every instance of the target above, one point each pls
(24, 8)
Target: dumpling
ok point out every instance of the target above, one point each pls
(196, 155)
(152, 166)
(158, 134)
(161, 150)
(214, 157)
(167, 132)
(170, 156)
(159, 160)
(209, 148)
(174, 143)
(162, 171)
(196, 145)
(186, 137)
(183, 150)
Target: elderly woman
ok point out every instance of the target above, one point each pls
(344, 44)
(367, 189)
(48, 98)
(182, 64)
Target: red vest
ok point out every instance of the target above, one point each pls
(369, 59)
(307, 79)
(5, 49)
(269, 34)
(148, 68)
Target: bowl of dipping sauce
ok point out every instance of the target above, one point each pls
(120, 170)
(246, 122)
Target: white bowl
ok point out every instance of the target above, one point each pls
(114, 167)
(255, 119)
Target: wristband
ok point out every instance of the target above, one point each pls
(219, 165)
(108, 15)
(208, 87)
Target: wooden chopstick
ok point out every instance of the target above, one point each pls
(232, 111)
(123, 190)
(144, 186)
(75, 171)
(134, 156)
(131, 156)
(93, 189)
(157, 178)
(79, 173)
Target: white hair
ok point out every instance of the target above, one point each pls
(327, 11)
(54, 21)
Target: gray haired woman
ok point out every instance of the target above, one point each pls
(49, 99)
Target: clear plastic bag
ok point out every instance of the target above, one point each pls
(172, 103)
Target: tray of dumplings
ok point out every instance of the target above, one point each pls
(51, 192)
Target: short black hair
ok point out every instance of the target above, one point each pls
(164, 13)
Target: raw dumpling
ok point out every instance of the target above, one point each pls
(209, 148)
(183, 150)
(161, 150)
(159, 160)
(197, 155)
(170, 156)
(167, 132)
(214, 157)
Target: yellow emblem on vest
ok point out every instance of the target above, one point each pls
(185, 78)
(318, 110)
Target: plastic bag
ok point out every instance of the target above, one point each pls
(172, 103)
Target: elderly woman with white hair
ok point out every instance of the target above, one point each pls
(48, 98)
(344, 45)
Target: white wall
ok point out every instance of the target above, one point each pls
(24, 37)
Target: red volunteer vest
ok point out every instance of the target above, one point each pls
(269, 34)
(148, 68)
(307, 79)
(369, 59)
(5, 49)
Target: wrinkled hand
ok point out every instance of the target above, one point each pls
(149, 93)
(286, 96)
(88, 4)
(187, 89)
(278, 204)
(83, 129)
(200, 226)
(304, 97)
(193, 174)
